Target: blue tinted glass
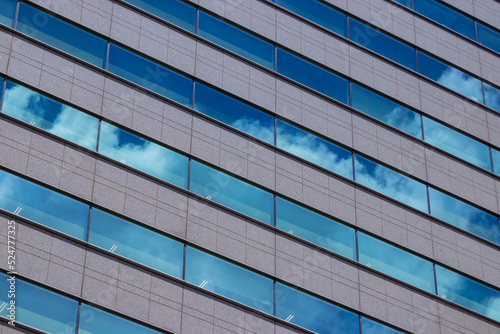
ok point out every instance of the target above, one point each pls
(52, 116)
(150, 75)
(390, 183)
(314, 149)
(315, 228)
(450, 77)
(312, 76)
(464, 216)
(136, 243)
(229, 280)
(406, 3)
(42, 205)
(396, 262)
(95, 321)
(312, 313)
(386, 111)
(231, 192)
(496, 160)
(457, 144)
(382, 44)
(61, 35)
(143, 155)
(468, 293)
(492, 96)
(235, 113)
(7, 11)
(446, 16)
(318, 13)
(371, 327)
(236, 40)
(488, 37)
(174, 11)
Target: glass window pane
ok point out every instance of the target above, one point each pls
(7, 11)
(229, 280)
(456, 143)
(315, 228)
(468, 293)
(406, 3)
(464, 216)
(386, 111)
(235, 113)
(382, 44)
(318, 13)
(42, 205)
(371, 327)
(50, 115)
(236, 40)
(231, 192)
(396, 262)
(488, 37)
(312, 76)
(492, 96)
(136, 243)
(173, 11)
(314, 149)
(312, 313)
(61, 35)
(143, 155)
(446, 16)
(150, 75)
(450, 77)
(95, 321)
(496, 160)
(390, 183)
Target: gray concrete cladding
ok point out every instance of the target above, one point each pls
(80, 271)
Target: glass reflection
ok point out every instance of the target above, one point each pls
(456, 143)
(127, 239)
(464, 216)
(61, 35)
(143, 155)
(468, 293)
(234, 113)
(488, 37)
(312, 313)
(315, 228)
(150, 75)
(396, 262)
(52, 116)
(492, 96)
(314, 149)
(495, 155)
(229, 280)
(386, 111)
(390, 183)
(7, 11)
(231, 192)
(42, 205)
(371, 327)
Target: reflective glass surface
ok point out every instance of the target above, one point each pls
(52, 116)
(492, 96)
(236, 40)
(382, 44)
(233, 112)
(61, 35)
(314, 149)
(136, 243)
(174, 11)
(396, 262)
(95, 321)
(456, 143)
(231, 192)
(312, 76)
(7, 11)
(229, 280)
(150, 75)
(496, 160)
(42, 205)
(463, 215)
(446, 16)
(390, 183)
(371, 327)
(143, 155)
(386, 111)
(450, 77)
(312, 313)
(315, 228)
(468, 293)
(488, 37)
(317, 13)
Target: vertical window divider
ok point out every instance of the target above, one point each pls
(274, 210)
(197, 23)
(482, 91)
(16, 14)
(491, 159)
(88, 224)
(193, 94)
(347, 27)
(106, 60)
(77, 325)
(275, 131)
(184, 263)
(4, 87)
(353, 167)
(422, 125)
(428, 200)
(476, 33)
(349, 87)
(275, 58)
(274, 297)
(98, 135)
(435, 279)
(356, 244)
(360, 328)
(188, 186)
